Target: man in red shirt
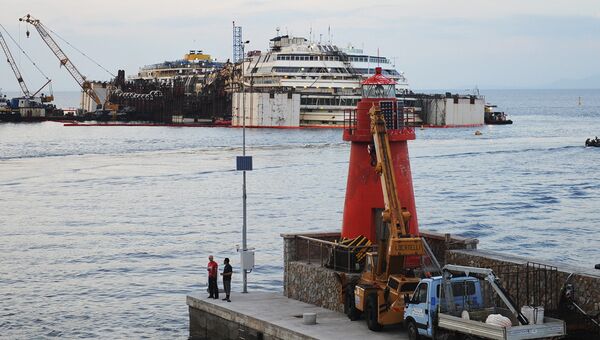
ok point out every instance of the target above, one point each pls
(213, 269)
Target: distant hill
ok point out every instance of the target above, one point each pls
(592, 82)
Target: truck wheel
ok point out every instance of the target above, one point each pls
(413, 331)
(350, 306)
(371, 313)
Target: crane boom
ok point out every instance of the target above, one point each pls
(14, 67)
(393, 210)
(400, 242)
(62, 57)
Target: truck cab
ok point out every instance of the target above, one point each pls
(421, 310)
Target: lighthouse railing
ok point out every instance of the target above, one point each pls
(350, 120)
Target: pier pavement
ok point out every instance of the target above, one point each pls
(274, 316)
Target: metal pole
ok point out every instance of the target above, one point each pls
(244, 245)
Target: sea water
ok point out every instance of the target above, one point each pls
(104, 230)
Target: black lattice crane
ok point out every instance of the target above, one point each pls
(14, 67)
(17, 72)
(62, 57)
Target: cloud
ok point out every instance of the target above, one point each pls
(437, 43)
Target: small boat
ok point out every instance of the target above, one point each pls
(493, 117)
(592, 142)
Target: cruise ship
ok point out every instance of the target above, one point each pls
(298, 82)
(295, 83)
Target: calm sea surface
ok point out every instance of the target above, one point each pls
(103, 231)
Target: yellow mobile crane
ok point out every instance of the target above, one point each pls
(379, 294)
(66, 62)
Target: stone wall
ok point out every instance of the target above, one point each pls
(296, 249)
(586, 282)
(318, 285)
(301, 276)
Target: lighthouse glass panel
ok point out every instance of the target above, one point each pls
(379, 91)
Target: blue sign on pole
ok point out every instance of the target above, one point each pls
(244, 163)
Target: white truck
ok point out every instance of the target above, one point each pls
(450, 306)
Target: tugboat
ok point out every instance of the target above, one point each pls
(493, 117)
(592, 142)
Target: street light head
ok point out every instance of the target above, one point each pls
(247, 42)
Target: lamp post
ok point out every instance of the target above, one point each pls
(244, 224)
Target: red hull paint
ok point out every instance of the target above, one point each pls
(145, 124)
(293, 127)
(452, 126)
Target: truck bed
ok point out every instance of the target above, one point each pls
(550, 328)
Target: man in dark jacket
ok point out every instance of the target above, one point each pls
(227, 272)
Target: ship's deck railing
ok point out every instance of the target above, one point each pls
(332, 254)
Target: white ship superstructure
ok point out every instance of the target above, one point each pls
(322, 80)
(194, 64)
(366, 64)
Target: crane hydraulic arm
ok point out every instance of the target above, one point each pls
(14, 67)
(400, 242)
(62, 57)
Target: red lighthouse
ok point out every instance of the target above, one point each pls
(364, 197)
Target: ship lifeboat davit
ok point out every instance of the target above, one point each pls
(364, 198)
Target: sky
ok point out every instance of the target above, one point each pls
(440, 44)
